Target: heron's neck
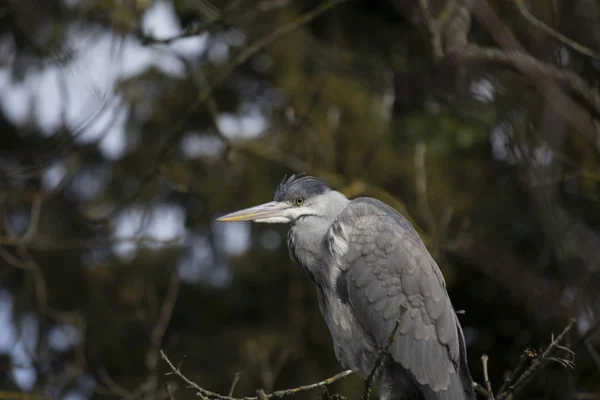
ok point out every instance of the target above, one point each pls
(306, 234)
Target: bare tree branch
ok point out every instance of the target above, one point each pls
(587, 396)
(10, 395)
(212, 17)
(554, 33)
(157, 334)
(48, 244)
(433, 28)
(176, 132)
(260, 44)
(526, 358)
(481, 390)
(539, 362)
(422, 198)
(561, 103)
(24, 260)
(236, 378)
(531, 65)
(486, 378)
(277, 394)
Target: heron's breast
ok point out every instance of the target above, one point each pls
(353, 347)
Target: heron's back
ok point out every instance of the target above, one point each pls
(378, 265)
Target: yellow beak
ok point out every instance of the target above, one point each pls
(267, 210)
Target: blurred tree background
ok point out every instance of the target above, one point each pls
(127, 126)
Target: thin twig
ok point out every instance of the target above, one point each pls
(112, 386)
(236, 378)
(34, 219)
(480, 390)
(587, 396)
(193, 29)
(444, 15)
(383, 352)
(436, 44)
(39, 198)
(537, 71)
(26, 262)
(323, 383)
(48, 244)
(18, 395)
(150, 385)
(554, 33)
(486, 378)
(421, 189)
(277, 394)
(260, 393)
(177, 130)
(435, 26)
(170, 391)
(166, 311)
(266, 41)
(538, 362)
(526, 358)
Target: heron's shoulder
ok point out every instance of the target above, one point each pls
(367, 211)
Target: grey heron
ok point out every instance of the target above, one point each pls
(372, 269)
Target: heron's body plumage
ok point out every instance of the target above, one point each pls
(371, 262)
(371, 269)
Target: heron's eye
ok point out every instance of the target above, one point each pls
(299, 201)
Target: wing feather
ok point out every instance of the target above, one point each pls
(390, 267)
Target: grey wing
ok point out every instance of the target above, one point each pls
(388, 267)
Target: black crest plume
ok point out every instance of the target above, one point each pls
(299, 185)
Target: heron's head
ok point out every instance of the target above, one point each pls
(295, 197)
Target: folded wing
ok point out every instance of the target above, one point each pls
(389, 272)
